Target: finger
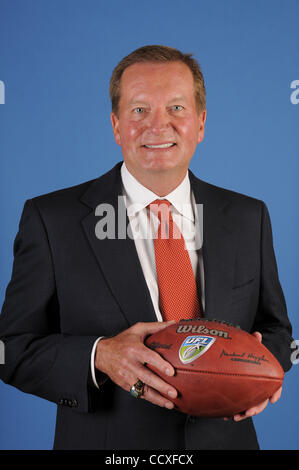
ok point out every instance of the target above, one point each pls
(241, 417)
(156, 398)
(127, 380)
(251, 411)
(152, 358)
(135, 370)
(258, 336)
(155, 382)
(149, 328)
(276, 396)
(151, 395)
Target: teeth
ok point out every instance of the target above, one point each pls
(161, 146)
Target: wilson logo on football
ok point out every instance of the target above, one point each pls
(193, 347)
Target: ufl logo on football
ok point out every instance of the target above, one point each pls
(194, 347)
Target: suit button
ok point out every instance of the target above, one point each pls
(192, 419)
(68, 402)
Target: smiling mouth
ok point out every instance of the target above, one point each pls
(160, 146)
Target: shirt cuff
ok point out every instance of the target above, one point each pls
(92, 366)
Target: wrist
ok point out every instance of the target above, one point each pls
(99, 354)
(97, 377)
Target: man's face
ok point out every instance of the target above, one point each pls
(158, 125)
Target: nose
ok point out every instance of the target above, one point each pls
(158, 121)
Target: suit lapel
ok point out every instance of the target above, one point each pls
(119, 263)
(117, 257)
(219, 247)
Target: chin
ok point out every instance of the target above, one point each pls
(159, 164)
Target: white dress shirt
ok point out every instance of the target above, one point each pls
(144, 225)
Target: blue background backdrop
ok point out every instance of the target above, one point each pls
(56, 58)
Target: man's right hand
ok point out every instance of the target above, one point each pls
(123, 358)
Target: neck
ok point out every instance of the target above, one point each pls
(160, 183)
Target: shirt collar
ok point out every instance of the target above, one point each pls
(138, 196)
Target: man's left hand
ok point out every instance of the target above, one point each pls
(255, 410)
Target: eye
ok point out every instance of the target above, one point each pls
(177, 107)
(138, 110)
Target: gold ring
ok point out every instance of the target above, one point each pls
(137, 389)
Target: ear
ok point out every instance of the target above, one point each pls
(115, 127)
(201, 121)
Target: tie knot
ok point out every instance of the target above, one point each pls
(160, 207)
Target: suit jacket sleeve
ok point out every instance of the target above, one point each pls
(272, 319)
(38, 358)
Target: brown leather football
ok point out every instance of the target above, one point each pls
(220, 370)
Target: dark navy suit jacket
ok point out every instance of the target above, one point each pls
(68, 287)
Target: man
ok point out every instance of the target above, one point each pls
(79, 304)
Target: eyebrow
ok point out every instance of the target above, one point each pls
(144, 102)
(177, 98)
(133, 102)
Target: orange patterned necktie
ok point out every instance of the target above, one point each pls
(176, 280)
